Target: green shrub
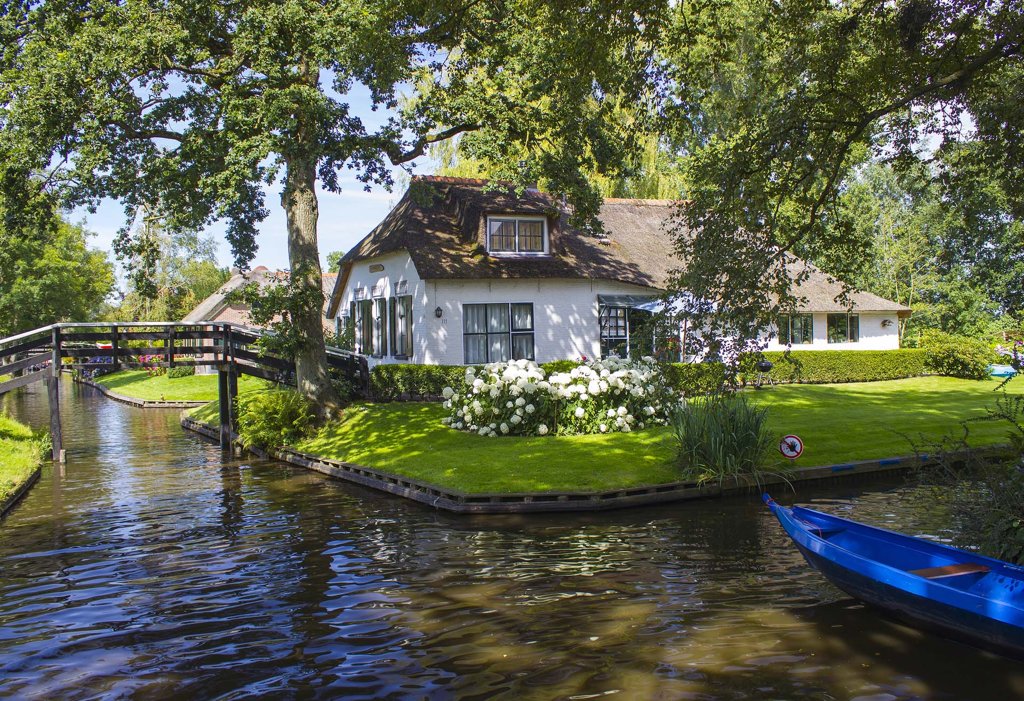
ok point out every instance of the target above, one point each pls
(389, 383)
(692, 379)
(830, 366)
(559, 366)
(186, 371)
(274, 418)
(957, 356)
(721, 435)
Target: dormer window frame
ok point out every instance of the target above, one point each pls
(517, 219)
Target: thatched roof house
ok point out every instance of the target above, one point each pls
(462, 271)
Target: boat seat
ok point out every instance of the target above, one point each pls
(950, 570)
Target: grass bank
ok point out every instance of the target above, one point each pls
(838, 423)
(139, 384)
(21, 453)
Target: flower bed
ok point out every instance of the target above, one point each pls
(517, 398)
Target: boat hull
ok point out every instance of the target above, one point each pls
(949, 621)
(958, 594)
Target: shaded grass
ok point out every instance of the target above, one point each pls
(838, 423)
(21, 453)
(139, 384)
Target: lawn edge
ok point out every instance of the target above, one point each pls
(16, 496)
(451, 500)
(142, 403)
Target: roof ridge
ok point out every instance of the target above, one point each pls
(640, 200)
(452, 180)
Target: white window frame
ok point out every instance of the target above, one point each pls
(545, 238)
(532, 332)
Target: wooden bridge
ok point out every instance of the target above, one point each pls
(41, 354)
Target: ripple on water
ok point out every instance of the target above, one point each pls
(153, 567)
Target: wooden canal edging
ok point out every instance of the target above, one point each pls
(40, 355)
(549, 502)
(135, 401)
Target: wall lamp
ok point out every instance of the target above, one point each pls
(886, 323)
(439, 312)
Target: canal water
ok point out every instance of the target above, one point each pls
(153, 566)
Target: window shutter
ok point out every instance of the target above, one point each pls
(392, 347)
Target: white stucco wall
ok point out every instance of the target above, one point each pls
(566, 321)
(565, 312)
(873, 336)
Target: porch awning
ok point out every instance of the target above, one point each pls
(635, 301)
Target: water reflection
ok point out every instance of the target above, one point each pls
(158, 568)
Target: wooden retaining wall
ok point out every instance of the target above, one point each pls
(548, 502)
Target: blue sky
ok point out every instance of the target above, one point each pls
(345, 217)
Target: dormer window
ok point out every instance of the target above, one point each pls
(511, 235)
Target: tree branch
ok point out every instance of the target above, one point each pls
(399, 157)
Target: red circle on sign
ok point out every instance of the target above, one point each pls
(791, 447)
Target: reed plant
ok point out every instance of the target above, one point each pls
(721, 436)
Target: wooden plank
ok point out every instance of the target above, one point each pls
(38, 344)
(263, 373)
(24, 380)
(53, 397)
(24, 363)
(950, 570)
(263, 360)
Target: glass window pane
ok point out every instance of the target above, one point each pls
(837, 328)
(785, 324)
(854, 328)
(531, 236)
(522, 346)
(522, 317)
(498, 345)
(806, 332)
(474, 318)
(497, 318)
(502, 235)
(476, 349)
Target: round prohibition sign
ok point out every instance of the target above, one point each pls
(791, 447)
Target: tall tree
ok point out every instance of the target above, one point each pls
(50, 277)
(775, 103)
(191, 108)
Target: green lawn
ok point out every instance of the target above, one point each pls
(139, 384)
(838, 423)
(20, 455)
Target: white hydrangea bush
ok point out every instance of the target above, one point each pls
(517, 398)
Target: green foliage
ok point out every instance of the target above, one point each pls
(763, 109)
(691, 379)
(957, 356)
(177, 271)
(722, 435)
(817, 367)
(51, 276)
(407, 382)
(275, 418)
(178, 372)
(559, 366)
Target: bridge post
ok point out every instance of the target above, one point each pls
(114, 348)
(53, 398)
(227, 389)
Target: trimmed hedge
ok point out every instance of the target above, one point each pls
(406, 382)
(823, 367)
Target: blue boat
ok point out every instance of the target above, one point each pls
(959, 594)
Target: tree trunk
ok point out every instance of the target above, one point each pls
(301, 208)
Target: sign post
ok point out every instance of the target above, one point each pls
(791, 447)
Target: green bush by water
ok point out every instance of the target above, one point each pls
(722, 435)
(957, 356)
(274, 418)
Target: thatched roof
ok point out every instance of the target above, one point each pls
(441, 222)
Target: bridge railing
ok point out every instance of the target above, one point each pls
(40, 355)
